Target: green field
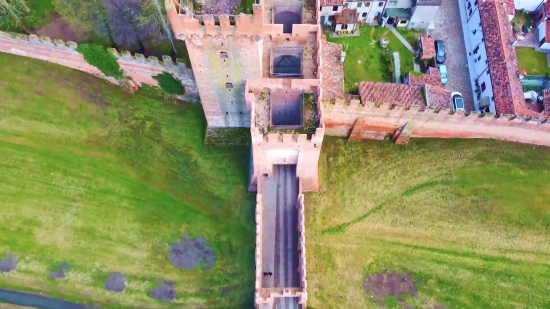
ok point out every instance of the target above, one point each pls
(532, 61)
(468, 219)
(105, 181)
(364, 57)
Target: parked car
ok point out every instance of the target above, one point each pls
(439, 52)
(443, 73)
(458, 102)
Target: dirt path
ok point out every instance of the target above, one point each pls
(58, 29)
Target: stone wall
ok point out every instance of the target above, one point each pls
(138, 68)
(268, 295)
(357, 121)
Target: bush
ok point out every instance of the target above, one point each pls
(102, 59)
(169, 84)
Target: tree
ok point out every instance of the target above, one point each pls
(152, 19)
(122, 19)
(12, 12)
(88, 17)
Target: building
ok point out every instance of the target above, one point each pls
(543, 27)
(425, 48)
(496, 79)
(367, 11)
(345, 21)
(412, 14)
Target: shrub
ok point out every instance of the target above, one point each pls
(102, 59)
(169, 84)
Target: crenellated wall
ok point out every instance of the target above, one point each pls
(276, 148)
(268, 295)
(371, 122)
(137, 67)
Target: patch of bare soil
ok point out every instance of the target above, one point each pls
(191, 253)
(8, 264)
(164, 292)
(389, 283)
(219, 6)
(58, 29)
(60, 273)
(116, 283)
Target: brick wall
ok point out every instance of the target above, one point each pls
(140, 69)
(370, 122)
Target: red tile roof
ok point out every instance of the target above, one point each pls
(547, 26)
(510, 7)
(394, 94)
(332, 70)
(501, 56)
(438, 97)
(547, 8)
(332, 2)
(347, 16)
(428, 47)
(434, 78)
(546, 94)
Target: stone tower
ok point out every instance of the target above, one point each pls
(224, 52)
(261, 71)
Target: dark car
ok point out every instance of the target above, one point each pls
(439, 52)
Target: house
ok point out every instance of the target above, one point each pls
(345, 21)
(397, 17)
(423, 13)
(496, 78)
(425, 48)
(528, 5)
(435, 95)
(367, 11)
(543, 27)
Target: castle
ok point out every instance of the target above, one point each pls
(274, 72)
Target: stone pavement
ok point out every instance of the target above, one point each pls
(397, 69)
(448, 27)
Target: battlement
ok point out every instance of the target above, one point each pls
(138, 68)
(190, 25)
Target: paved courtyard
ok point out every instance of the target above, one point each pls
(448, 27)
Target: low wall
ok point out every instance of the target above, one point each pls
(140, 69)
(268, 295)
(357, 121)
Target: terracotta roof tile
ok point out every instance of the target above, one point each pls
(501, 56)
(510, 7)
(394, 94)
(428, 47)
(547, 8)
(332, 78)
(438, 97)
(433, 79)
(546, 94)
(547, 26)
(347, 16)
(332, 2)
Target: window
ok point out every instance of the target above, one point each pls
(483, 87)
(223, 55)
(390, 3)
(474, 31)
(364, 15)
(359, 4)
(476, 50)
(228, 85)
(367, 4)
(470, 12)
(335, 8)
(469, 5)
(344, 26)
(381, 3)
(403, 21)
(346, 5)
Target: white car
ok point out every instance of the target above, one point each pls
(458, 102)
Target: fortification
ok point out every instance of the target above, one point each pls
(369, 121)
(138, 68)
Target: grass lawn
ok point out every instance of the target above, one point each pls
(531, 61)
(410, 36)
(469, 220)
(365, 48)
(105, 181)
(40, 16)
